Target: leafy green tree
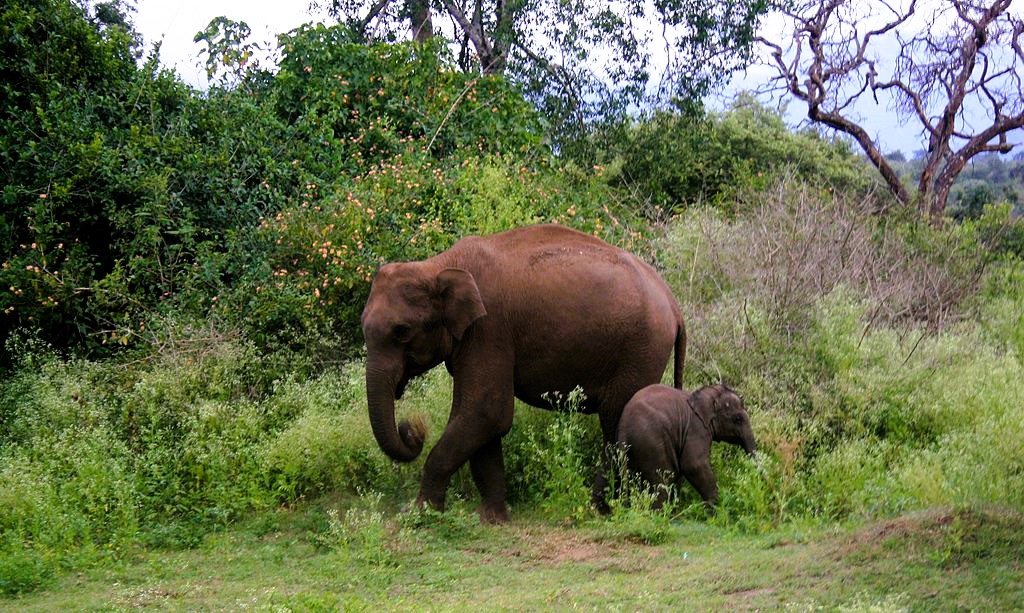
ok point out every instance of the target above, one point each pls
(579, 59)
(231, 57)
(673, 160)
(65, 74)
(121, 182)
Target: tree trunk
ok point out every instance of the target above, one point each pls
(420, 21)
(943, 185)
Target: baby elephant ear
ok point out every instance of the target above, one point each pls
(461, 304)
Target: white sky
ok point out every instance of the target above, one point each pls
(175, 22)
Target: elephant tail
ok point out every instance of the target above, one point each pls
(680, 352)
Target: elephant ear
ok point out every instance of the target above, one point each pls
(461, 304)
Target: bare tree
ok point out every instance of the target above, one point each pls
(953, 66)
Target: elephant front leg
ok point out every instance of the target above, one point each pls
(444, 459)
(702, 478)
(473, 434)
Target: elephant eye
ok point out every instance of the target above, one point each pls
(401, 332)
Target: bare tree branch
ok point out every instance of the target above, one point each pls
(556, 71)
(957, 73)
(375, 11)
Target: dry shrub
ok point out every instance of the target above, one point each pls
(855, 343)
(796, 246)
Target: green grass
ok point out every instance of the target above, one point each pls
(936, 559)
(889, 476)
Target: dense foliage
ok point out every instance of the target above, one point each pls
(673, 160)
(582, 62)
(73, 198)
(224, 243)
(130, 196)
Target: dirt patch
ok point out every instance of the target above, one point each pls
(572, 551)
(557, 547)
(153, 596)
(912, 524)
(926, 525)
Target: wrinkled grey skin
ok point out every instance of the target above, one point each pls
(669, 433)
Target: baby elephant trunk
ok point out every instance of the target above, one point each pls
(749, 445)
(745, 438)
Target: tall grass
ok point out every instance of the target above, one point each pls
(871, 391)
(880, 360)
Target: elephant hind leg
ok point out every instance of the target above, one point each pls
(600, 491)
(609, 410)
(487, 466)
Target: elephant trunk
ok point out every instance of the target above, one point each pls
(403, 442)
(749, 445)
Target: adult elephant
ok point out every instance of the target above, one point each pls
(513, 315)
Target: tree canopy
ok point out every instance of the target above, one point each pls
(578, 59)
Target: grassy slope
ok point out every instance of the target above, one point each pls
(932, 560)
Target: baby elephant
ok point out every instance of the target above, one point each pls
(669, 434)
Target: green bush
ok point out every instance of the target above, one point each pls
(95, 454)
(328, 445)
(123, 182)
(869, 354)
(360, 533)
(673, 161)
(631, 502)
(22, 570)
(319, 256)
(502, 192)
(66, 500)
(845, 481)
(101, 457)
(752, 493)
(29, 499)
(551, 458)
(376, 98)
(1002, 309)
